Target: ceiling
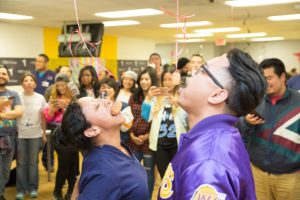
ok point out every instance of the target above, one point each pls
(53, 13)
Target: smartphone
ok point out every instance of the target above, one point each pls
(103, 95)
(164, 91)
(257, 114)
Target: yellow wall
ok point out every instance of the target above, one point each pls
(108, 50)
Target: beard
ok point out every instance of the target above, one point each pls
(3, 84)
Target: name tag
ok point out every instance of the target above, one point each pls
(45, 84)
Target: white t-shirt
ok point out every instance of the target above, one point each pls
(124, 97)
(29, 125)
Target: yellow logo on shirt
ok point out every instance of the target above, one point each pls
(166, 184)
(206, 191)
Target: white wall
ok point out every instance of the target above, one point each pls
(130, 48)
(20, 41)
(283, 50)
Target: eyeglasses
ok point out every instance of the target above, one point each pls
(204, 69)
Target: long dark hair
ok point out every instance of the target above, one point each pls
(168, 69)
(249, 85)
(95, 81)
(139, 91)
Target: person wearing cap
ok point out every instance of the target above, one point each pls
(63, 70)
(59, 100)
(127, 86)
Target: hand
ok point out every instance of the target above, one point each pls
(153, 91)
(116, 108)
(144, 137)
(172, 100)
(61, 103)
(44, 138)
(4, 102)
(254, 120)
(135, 139)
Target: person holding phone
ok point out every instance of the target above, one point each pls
(273, 137)
(168, 120)
(60, 98)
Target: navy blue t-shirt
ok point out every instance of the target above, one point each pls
(109, 174)
(44, 80)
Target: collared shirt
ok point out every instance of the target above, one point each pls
(211, 163)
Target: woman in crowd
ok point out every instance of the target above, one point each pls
(110, 87)
(139, 132)
(67, 156)
(88, 82)
(31, 134)
(168, 120)
(109, 169)
(127, 86)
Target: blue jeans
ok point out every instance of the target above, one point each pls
(5, 164)
(27, 164)
(149, 167)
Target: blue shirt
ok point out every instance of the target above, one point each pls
(109, 174)
(211, 163)
(294, 82)
(43, 81)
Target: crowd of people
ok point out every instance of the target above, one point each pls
(229, 130)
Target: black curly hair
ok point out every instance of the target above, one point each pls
(73, 126)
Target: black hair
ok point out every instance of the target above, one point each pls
(45, 57)
(95, 81)
(274, 63)
(249, 85)
(167, 69)
(154, 54)
(73, 126)
(183, 61)
(132, 89)
(111, 83)
(5, 67)
(138, 95)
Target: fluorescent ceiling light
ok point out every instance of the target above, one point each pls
(129, 13)
(249, 3)
(14, 16)
(120, 23)
(193, 35)
(218, 30)
(187, 24)
(245, 35)
(266, 39)
(284, 17)
(190, 40)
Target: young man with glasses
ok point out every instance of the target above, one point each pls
(211, 161)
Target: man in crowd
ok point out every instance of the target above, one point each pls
(44, 79)
(10, 110)
(196, 61)
(211, 161)
(274, 141)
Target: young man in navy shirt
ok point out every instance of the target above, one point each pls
(44, 78)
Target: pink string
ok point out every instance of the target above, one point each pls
(183, 29)
(86, 44)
